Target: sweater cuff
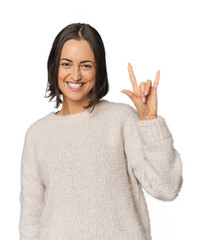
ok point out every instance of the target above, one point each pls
(154, 129)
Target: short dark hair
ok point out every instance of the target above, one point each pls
(78, 31)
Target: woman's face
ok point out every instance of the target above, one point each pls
(77, 65)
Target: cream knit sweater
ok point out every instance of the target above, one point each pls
(82, 174)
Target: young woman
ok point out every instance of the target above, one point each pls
(83, 167)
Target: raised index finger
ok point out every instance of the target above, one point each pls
(132, 76)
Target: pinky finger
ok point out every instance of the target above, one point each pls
(156, 82)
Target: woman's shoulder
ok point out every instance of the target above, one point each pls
(120, 111)
(120, 107)
(38, 124)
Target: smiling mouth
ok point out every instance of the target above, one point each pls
(75, 86)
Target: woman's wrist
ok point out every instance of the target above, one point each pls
(149, 117)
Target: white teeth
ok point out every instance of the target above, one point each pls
(75, 85)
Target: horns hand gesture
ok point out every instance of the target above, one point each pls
(144, 96)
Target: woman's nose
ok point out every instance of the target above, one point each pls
(76, 74)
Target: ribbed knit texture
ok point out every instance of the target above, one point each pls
(82, 174)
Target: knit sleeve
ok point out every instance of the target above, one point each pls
(32, 192)
(148, 146)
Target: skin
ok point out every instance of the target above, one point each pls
(146, 104)
(75, 71)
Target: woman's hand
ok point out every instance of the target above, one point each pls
(144, 96)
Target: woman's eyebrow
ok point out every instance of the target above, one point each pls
(72, 61)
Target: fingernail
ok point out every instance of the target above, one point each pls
(143, 99)
(145, 92)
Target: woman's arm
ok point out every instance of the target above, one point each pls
(148, 145)
(32, 192)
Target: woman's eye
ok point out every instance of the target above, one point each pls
(65, 64)
(87, 66)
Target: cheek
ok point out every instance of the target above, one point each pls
(89, 75)
(62, 73)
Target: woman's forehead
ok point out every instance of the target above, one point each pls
(77, 49)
